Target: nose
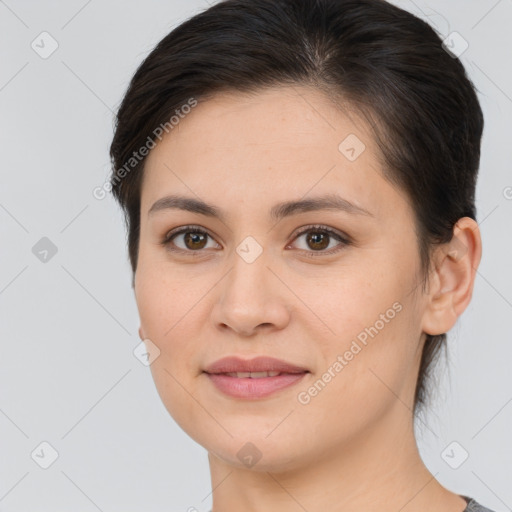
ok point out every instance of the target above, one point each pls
(251, 298)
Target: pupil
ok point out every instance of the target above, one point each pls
(194, 238)
(315, 239)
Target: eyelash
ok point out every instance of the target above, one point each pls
(344, 239)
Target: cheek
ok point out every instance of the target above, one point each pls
(362, 380)
(353, 301)
(167, 317)
(164, 300)
(369, 351)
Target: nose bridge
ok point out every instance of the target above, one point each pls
(249, 295)
(248, 277)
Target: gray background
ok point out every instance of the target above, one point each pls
(68, 325)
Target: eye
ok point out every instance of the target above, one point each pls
(318, 238)
(192, 238)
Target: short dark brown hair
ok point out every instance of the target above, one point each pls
(388, 64)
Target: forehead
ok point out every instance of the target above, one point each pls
(280, 141)
(298, 116)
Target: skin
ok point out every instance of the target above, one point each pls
(352, 447)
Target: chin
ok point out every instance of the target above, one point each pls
(256, 457)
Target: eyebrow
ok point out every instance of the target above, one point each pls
(277, 212)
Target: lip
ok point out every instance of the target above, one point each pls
(253, 388)
(257, 364)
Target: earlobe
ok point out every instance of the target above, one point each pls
(453, 278)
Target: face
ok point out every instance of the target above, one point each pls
(333, 291)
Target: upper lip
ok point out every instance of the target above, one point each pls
(234, 364)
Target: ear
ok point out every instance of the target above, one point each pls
(452, 279)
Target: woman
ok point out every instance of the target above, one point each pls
(298, 179)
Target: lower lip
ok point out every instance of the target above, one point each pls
(253, 388)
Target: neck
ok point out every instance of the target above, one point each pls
(381, 469)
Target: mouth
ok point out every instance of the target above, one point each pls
(252, 375)
(255, 378)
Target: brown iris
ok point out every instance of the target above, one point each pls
(316, 242)
(198, 240)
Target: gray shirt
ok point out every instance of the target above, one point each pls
(474, 506)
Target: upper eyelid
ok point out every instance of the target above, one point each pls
(184, 229)
(319, 227)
